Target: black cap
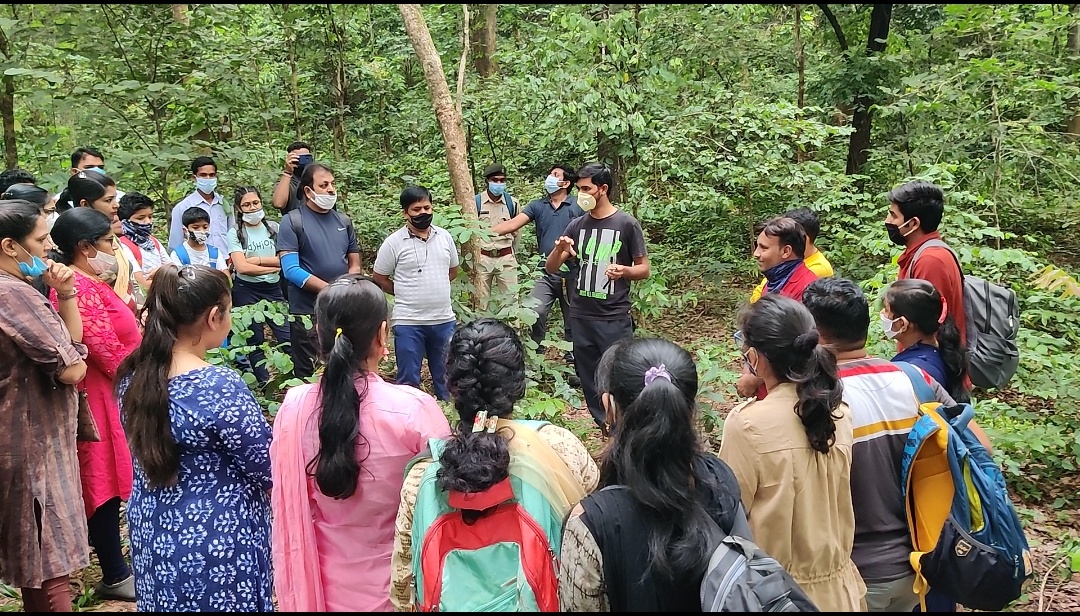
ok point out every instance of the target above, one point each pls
(494, 169)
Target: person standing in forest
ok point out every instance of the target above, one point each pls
(813, 258)
(609, 248)
(498, 265)
(204, 173)
(297, 156)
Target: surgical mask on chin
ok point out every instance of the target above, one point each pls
(206, 185)
(200, 237)
(324, 202)
(35, 268)
(253, 218)
(497, 188)
(551, 184)
(103, 263)
(887, 327)
(586, 201)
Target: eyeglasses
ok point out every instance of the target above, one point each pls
(739, 338)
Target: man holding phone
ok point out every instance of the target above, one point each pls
(297, 156)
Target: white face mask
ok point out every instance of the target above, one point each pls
(103, 263)
(324, 202)
(887, 326)
(254, 218)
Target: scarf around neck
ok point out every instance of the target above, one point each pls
(778, 275)
(139, 236)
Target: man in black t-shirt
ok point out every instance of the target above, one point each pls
(610, 249)
(284, 197)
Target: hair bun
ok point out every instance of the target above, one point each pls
(806, 343)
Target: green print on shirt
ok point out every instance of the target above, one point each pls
(605, 252)
(598, 254)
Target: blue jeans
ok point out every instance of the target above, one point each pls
(412, 343)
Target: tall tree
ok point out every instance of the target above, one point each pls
(483, 40)
(1074, 51)
(7, 108)
(450, 123)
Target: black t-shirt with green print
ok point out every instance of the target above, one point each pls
(599, 243)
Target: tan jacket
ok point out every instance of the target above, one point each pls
(798, 500)
(492, 213)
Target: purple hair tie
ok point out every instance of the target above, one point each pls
(656, 372)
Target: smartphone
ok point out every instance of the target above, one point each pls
(305, 160)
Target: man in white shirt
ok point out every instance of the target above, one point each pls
(416, 264)
(205, 196)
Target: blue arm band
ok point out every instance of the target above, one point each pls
(290, 266)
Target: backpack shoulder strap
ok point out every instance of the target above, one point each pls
(509, 204)
(181, 251)
(934, 244)
(477, 203)
(922, 389)
(534, 424)
(133, 247)
(213, 253)
(297, 221)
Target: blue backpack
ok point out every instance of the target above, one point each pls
(506, 198)
(968, 541)
(185, 258)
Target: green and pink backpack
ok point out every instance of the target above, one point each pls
(505, 560)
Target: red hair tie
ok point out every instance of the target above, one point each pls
(944, 310)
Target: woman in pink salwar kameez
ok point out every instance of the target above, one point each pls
(338, 459)
(84, 241)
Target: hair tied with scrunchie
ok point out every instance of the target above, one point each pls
(807, 342)
(944, 310)
(657, 372)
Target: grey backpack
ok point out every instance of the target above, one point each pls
(992, 320)
(741, 577)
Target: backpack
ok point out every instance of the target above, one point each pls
(992, 319)
(741, 577)
(967, 539)
(506, 199)
(185, 258)
(297, 221)
(133, 247)
(504, 561)
(271, 226)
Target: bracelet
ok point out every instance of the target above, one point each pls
(71, 295)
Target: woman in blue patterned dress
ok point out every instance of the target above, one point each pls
(199, 515)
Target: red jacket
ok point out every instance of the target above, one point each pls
(793, 288)
(937, 266)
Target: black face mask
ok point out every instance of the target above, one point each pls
(421, 221)
(895, 236)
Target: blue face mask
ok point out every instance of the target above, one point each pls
(35, 269)
(551, 184)
(497, 188)
(206, 185)
(99, 170)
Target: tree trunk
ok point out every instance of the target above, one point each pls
(1073, 130)
(179, 13)
(340, 90)
(7, 110)
(294, 73)
(464, 55)
(800, 66)
(859, 145)
(483, 40)
(449, 123)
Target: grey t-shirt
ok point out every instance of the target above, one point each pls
(329, 239)
(420, 269)
(600, 242)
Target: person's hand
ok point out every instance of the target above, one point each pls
(59, 277)
(565, 244)
(747, 385)
(615, 271)
(290, 161)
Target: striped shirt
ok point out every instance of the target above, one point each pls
(421, 272)
(883, 410)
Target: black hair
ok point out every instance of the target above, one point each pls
(75, 226)
(193, 215)
(78, 155)
(789, 232)
(307, 179)
(133, 202)
(414, 194)
(808, 219)
(653, 447)
(921, 304)
(241, 227)
(922, 200)
(782, 330)
(569, 174)
(840, 311)
(297, 145)
(27, 192)
(355, 306)
(18, 219)
(178, 299)
(81, 187)
(15, 176)
(202, 161)
(599, 173)
(486, 371)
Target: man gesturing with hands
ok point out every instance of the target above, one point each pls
(610, 248)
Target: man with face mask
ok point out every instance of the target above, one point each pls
(915, 211)
(416, 264)
(551, 213)
(498, 266)
(88, 159)
(610, 251)
(204, 175)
